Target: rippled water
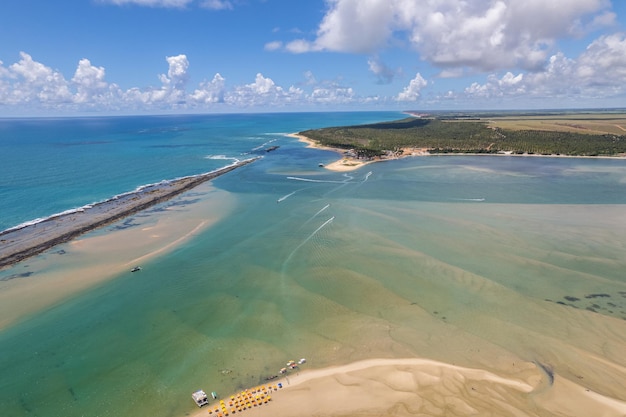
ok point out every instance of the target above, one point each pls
(473, 260)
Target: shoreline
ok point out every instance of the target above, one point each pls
(419, 386)
(20, 243)
(347, 163)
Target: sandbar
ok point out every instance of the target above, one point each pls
(24, 242)
(423, 387)
(350, 163)
(96, 257)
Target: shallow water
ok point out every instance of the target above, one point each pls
(472, 260)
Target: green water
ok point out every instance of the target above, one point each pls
(461, 259)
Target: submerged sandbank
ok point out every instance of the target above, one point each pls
(23, 242)
(96, 257)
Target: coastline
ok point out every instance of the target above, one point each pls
(417, 386)
(348, 163)
(345, 164)
(20, 243)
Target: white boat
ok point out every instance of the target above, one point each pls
(135, 269)
(200, 398)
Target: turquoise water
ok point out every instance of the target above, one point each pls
(442, 257)
(52, 165)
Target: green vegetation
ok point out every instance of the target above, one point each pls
(469, 135)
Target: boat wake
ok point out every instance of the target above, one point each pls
(320, 211)
(283, 198)
(318, 181)
(469, 199)
(304, 242)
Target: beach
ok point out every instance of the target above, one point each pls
(344, 164)
(349, 163)
(421, 387)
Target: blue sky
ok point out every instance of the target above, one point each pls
(191, 56)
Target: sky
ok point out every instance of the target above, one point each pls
(74, 57)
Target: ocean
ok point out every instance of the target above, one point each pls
(481, 261)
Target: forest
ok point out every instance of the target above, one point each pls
(464, 135)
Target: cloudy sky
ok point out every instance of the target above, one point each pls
(185, 56)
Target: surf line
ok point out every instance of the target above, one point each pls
(307, 239)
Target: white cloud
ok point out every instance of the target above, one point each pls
(176, 77)
(210, 91)
(599, 72)
(483, 35)
(217, 4)
(333, 95)
(299, 46)
(262, 92)
(91, 88)
(413, 91)
(273, 46)
(35, 82)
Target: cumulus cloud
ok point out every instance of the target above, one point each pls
(263, 92)
(31, 81)
(91, 87)
(483, 35)
(600, 71)
(413, 91)
(210, 91)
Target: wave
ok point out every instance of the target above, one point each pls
(261, 146)
(222, 157)
(139, 189)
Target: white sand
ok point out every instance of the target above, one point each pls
(421, 387)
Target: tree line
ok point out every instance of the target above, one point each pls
(463, 136)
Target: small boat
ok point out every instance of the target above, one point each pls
(135, 269)
(200, 398)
